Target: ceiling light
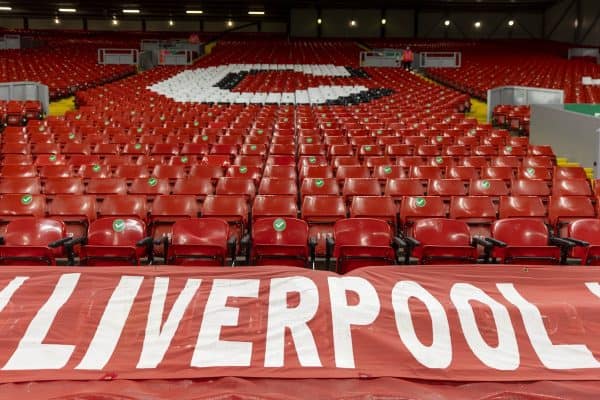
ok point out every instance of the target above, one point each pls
(115, 21)
(447, 22)
(256, 13)
(383, 21)
(477, 24)
(319, 21)
(352, 22)
(194, 11)
(130, 11)
(511, 22)
(230, 23)
(67, 10)
(56, 20)
(5, 8)
(171, 23)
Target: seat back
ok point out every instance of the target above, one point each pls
(26, 241)
(199, 241)
(280, 241)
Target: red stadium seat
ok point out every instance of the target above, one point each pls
(236, 187)
(522, 207)
(75, 211)
(274, 206)
(149, 187)
(129, 206)
(33, 241)
(20, 185)
(563, 210)
(587, 233)
(200, 242)
(414, 208)
(14, 206)
(478, 212)
(233, 209)
(360, 242)
(58, 186)
(282, 241)
(441, 241)
(321, 213)
(115, 241)
(360, 187)
(377, 207)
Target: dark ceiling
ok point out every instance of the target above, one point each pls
(272, 8)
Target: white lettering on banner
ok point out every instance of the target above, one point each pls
(564, 356)
(344, 315)
(31, 353)
(505, 356)
(439, 353)
(593, 287)
(111, 324)
(157, 340)
(295, 319)
(210, 351)
(10, 289)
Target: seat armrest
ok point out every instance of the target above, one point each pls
(165, 243)
(565, 246)
(329, 245)
(577, 242)
(70, 244)
(495, 242)
(59, 242)
(148, 243)
(232, 246)
(312, 246)
(246, 244)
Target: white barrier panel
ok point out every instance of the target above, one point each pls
(118, 56)
(390, 58)
(520, 96)
(584, 52)
(573, 135)
(181, 57)
(10, 42)
(440, 59)
(25, 91)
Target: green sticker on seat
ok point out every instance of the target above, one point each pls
(319, 182)
(78, 116)
(71, 136)
(312, 160)
(26, 199)
(243, 169)
(260, 131)
(439, 160)
(485, 184)
(309, 140)
(152, 181)
(204, 138)
(118, 225)
(138, 146)
(508, 149)
(328, 124)
(139, 130)
(41, 128)
(420, 202)
(162, 118)
(387, 169)
(379, 131)
(439, 139)
(368, 148)
(52, 157)
(530, 171)
(366, 119)
(279, 225)
(253, 147)
(184, 159)
(196, 123)
(107, 122)
(96, 168)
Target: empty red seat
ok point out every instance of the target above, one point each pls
(414, 208)
(233, 209)
(478, 212)
(57, 186)
(94, 171)
(446, 188)
(526, 241)
(441, 241)
(18, 171)
(282, 241)
(321, 213)
(488, 187)
(114, 241)
(522, 206)
(426, 172)
(586, 230)
(133, 206)
(462, 172)
(149, 187)
(236, 187)
(571, 187)
(106, 186)
(319, 187)
(20, 185)
(33, 241)
(14, 206)
(200, 242)
(504, 173)
(75, 211)
(378, 207)
(352, 171)
(274, 206)
(171, 172)
(360, 187)
(399, 188)
(213, 172)
(360, 242)
(569, 173)
(131, 171)
(563, 210)
(530, 187)
(199, 187)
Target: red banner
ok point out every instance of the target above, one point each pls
(437, 323)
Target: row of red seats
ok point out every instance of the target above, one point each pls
(15, 112)
(354, 243)
(515, 118)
